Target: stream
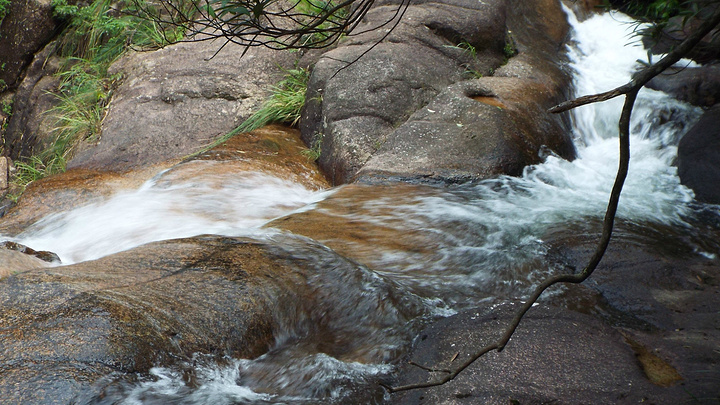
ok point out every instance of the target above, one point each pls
(482, 242)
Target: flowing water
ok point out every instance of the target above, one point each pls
(485, 240)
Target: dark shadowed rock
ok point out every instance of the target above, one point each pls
(663, 295)
(176, 100)
(25, 30)
(65, 328)
(698, 86)
(30, 129)
(556, 356)
(699, 157)
(678, 28)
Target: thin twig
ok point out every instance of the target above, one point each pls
(630, 90)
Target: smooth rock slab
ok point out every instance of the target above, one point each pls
(65, 328)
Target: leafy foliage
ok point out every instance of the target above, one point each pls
(94, 37)
(4, 8)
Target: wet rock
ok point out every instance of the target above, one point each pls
(654, 287)
(176, 100)
(12, 262)
(27, 27)
(274, 150)
(170, 300)
(45, 256)
(408, 120)
(699, 157)
(698, 86)
(555, 356)
(66, 191)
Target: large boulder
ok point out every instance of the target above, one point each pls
(65, 328)
(698, 86)
(699, 157)
(25, 29)
(385, 115)
(555, 356)
(176, 100)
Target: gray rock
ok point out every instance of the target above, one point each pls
(698, 86)
(178, 99)
(395, 112)
(699, 157)
(24, 31)
(352, 110)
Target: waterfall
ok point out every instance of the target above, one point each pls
(484, 231)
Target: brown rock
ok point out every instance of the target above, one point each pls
(24, 31)
(169, 300)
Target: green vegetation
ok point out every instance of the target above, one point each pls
(313, 153)
(283, 106)
(94, 37)
(4, 9)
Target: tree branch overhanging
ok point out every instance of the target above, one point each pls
(630, 90)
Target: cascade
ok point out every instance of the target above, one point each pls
(483, 232)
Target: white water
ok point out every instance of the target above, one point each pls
(498, 222)
(240, 205)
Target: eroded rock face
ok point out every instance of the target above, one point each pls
(169, 300)
(178, 99)
(30, 128)
(395, 113)
(25, 30)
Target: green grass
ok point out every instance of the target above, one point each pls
(283, 106)
(94, 37)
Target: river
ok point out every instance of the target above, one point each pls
(488, 238)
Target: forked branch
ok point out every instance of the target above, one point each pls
(630, 91)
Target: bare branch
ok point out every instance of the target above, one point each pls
(630, 90)
(643, 76)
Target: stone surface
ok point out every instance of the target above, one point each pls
(407, 119)
(4, 172)
(176, 100)
(556, 356)
(12, 262)
(30, 128)
(699, 157)
(698, 86)
(352, 111)
(170, 300)
(25, 30)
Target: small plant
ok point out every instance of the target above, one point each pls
(313, 153)
(4, 9)
(510, 48)
(285, 103)
(6, 107)
(33, 169)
